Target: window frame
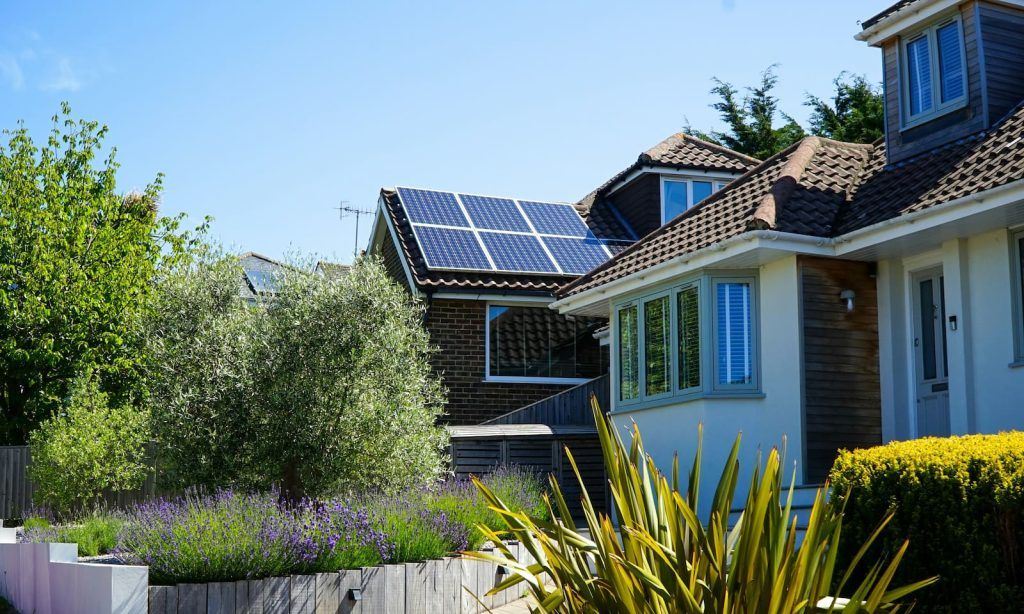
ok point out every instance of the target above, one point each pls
(1017, 290)
(517, 379)
(716, 185)
(705, 284)
(938, 107)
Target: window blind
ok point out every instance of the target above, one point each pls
(951, 68)
(688, 308)
(657, 327)
(919, 71)
(735, 343)
(629, 359)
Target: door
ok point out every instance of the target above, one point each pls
(930, 359)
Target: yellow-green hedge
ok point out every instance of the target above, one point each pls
(960, 501)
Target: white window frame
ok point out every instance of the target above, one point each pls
(938, 107)
(709, 388)
(516, 379)
(716, 185)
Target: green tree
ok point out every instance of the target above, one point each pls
(752, 121)
(89, 447)
(76, 264)
(855, 113)
(324, 387)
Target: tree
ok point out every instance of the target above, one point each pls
(325, 387)
(91, 446)
(76, 264)
(856, 112)
(752, 121)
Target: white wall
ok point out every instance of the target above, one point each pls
(985, 390)
(765, 422)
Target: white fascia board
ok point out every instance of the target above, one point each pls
(912, 15)
(933, 217)
(398, 246)
(493, 297)
(680, 172)
(375, 229)
(700, 259)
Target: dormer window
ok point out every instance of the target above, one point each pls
(934, 72)
(679, 194)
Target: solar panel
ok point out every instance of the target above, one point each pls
(576, 256)
(263, 282)
(494, 213)
(451, 248)
(617, 246)
(553, 219)
(516, 252)
(430, 207)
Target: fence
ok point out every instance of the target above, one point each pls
(569, 407)
(17, 489)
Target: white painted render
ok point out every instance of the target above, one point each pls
(765, 421)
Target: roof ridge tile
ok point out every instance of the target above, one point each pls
(764, 216)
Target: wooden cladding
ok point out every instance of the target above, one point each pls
(842, 402)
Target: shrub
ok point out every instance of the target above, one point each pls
(95, 534)
(326, 387)
(89, 447)
(959, 500)
(663, 559)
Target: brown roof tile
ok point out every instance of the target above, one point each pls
(826, 188)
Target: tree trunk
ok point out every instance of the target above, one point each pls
(292, 490)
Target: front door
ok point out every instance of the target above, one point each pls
(930, 354)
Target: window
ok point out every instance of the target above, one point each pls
(677, 343)
(934, 73)
(678, 195)
(1017, 254)
(629, 353)
(536, 343)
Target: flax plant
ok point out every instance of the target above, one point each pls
(659, 557)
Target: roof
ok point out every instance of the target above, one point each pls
(679, 151)
(867, 23)
(332, 270)
(825, 188)
(254, 265)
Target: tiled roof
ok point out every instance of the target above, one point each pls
(867, 23)
(826, 188)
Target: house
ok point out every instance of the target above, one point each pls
(841, 295)
(487, 268)
(260, 276)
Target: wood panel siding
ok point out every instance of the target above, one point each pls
(570, 407)
(1002, 45)
(458, 328)
(905, 143)
(842, 402)
(639, 202)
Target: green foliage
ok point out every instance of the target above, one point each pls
(89, 447)
(36, 522)
(959, 500)
(751, 120)
(95, 534)
(855, 114)
(322, 388)
(77, 261)
(663, 559)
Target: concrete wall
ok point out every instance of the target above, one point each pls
(985, 389)
(765, 422)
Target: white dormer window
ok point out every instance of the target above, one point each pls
(934, 72)
(679, 194)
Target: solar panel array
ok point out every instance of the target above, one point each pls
(482, 233)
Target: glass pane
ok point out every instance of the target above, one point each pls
(538, 342)
(657, 327)
(674, 199)
(919, 73)
(701, 190)
(629, 349)
(942, 324)
(927, 305)
(951, 69)
(735, 342)
(688, 307)
(1020, 257)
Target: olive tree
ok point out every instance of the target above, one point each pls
(324, 386)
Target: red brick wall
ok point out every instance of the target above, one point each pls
(457, 328)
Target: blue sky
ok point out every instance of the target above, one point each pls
(266, 115)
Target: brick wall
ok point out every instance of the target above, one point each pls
(457, 328)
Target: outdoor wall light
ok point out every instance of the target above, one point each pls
(848, 296)
(355, 594)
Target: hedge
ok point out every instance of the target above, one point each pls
(959, 501)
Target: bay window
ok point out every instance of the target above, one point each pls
(695, 339)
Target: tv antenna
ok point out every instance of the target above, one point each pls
(345, 209)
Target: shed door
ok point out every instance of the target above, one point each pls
(930, 357)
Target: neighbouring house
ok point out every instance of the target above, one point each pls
(260, 276)
(841, 295)
(487, 268)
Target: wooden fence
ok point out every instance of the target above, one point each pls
(569, 407)
(17, 489)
